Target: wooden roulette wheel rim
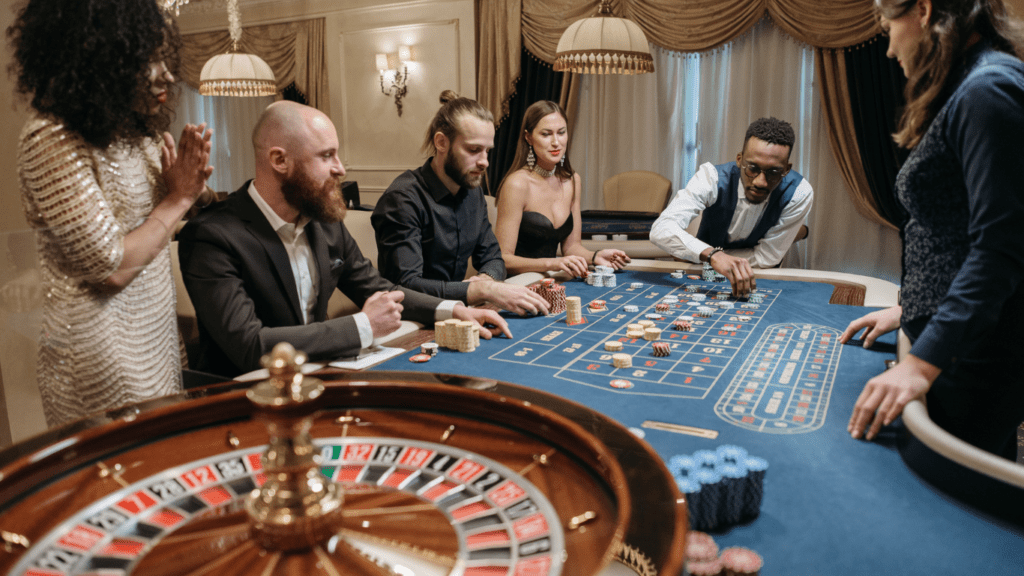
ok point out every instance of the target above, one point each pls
(609, 492)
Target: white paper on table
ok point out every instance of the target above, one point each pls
(368, 357)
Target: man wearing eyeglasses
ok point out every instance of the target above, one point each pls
(752, 208)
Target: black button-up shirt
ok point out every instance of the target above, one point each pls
(426, 235)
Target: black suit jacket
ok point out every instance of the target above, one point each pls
(238, 275)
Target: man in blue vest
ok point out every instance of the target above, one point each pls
(740, 231)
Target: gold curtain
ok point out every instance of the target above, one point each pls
(692, 26)
(838, 112)
(294, 51)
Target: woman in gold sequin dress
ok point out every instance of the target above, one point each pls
(103, 189)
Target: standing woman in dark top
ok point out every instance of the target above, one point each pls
(963, 248)
(539, 202)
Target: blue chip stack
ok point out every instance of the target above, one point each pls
(723, 487)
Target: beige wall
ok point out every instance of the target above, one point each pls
(1017, 6)
(376, 144)
(12, 117)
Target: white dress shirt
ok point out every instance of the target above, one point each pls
(669, 230)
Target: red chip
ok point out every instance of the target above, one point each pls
(693, 277)
(711, 567)
(741, 561)
(621, 384)
(420, 358)
(700, 547)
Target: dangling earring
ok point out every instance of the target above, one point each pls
(530, 158)
(562, 161)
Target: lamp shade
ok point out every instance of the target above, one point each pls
(603, 45)
(237, 75)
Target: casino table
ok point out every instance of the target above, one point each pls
(774, 380)
(771, 379)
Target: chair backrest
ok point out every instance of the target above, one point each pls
(636, 190)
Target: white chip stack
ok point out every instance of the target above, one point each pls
(573, 310)
(464, 336)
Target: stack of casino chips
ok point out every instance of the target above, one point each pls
(756, 297)
(636, 285)
(723, 487)
(703, 558)
(652, 333)
(660, 348)
(622, 360)
(573, 310)
(737, 561)
(631, 308)
(682, 324)
(677, 274)
(662, 307)
(698, 297)
(705, 311)
(440, 334)
(552, 293)
(464, 340)
(635, 331)
(613, 346)
(597, 305)
(691, 288)
(602, 276)
(707, 273)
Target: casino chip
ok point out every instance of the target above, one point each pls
(700, 547)
(741, 561)
(419, 358)
(621, 384)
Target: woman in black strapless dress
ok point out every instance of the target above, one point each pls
(539, 202)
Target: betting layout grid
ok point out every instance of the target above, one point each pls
(783, 387)
(490, 507)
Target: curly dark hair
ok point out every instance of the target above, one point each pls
(771, 130)
(86, 63)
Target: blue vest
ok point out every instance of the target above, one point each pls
(714, 224)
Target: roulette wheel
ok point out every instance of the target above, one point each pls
(383, 473)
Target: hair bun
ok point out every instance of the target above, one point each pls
(447, 96)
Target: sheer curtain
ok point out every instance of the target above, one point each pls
(232, 120)
(695, 108)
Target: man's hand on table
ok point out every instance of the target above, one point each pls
(737, 270)
(490, 322)
(516, 299)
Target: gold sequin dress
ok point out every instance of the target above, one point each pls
(98, 349)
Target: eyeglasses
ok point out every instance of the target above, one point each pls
(771, 174)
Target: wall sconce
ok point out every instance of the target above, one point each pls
(388, 65)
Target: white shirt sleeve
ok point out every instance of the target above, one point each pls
(444, 310)
(364, 328)
(776, 242)
(669, 230)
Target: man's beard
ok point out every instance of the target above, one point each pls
(454, 171)
(323, 203)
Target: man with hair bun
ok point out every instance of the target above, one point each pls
(433, 219)
(261, 266)
(739, 232)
